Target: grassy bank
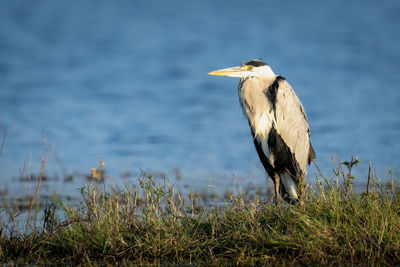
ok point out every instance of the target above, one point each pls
(152, 223)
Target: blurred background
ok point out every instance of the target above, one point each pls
(127, 81)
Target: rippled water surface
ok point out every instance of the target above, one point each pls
(127, 81)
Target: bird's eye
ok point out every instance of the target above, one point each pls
(249, 67)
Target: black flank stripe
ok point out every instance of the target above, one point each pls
(264, 160)
(268, 167)
(272, 91)
(284, 158)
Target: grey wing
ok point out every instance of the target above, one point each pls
(292, 125)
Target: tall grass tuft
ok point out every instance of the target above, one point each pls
(151, 223)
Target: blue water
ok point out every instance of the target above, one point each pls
(127, 81)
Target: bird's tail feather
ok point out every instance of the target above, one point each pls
(290, 185)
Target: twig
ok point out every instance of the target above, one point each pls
(343, 175)
(4, 131)
(369, 177)
(318, 169)
(349, 177)
(350, 166)
(338, 171)
(44, 162)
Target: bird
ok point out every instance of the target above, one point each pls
(278, 124)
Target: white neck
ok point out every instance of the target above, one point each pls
(264, 71)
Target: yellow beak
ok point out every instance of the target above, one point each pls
(234, 71)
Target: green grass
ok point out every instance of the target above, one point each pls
(153, 224)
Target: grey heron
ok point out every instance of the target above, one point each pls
(278, 124)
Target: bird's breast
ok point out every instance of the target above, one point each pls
(256, 106)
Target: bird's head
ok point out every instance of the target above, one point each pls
(253, 67)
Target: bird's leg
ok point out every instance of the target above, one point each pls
(276, 182)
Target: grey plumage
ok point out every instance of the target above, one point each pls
(278, 124)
